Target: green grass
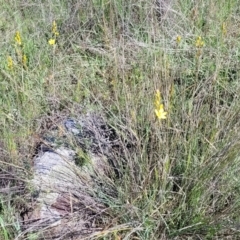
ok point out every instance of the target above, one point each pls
(181, 180)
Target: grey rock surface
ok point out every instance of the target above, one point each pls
(67, 192)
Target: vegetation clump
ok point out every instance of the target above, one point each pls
(164, 74)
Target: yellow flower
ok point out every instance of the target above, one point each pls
(24, 61)
(54, 29)
(199, 42)
(178, 39)
(51, 41)
(159, 109)
(157, 98)
(160, 113)
(17, 38)
(224, 29)
(9, 62)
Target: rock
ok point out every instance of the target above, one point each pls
(66, 193)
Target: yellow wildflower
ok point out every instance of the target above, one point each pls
(157, 98)
(52, 41)
(24, 61)
(17, 38)
(199, 42)
(9, 62)
(159, 109)
(224, 29)
(54, 28)
(178, 39)
(160, 113)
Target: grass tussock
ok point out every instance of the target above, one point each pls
(181, 180)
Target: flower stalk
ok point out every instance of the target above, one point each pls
(159, 108)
